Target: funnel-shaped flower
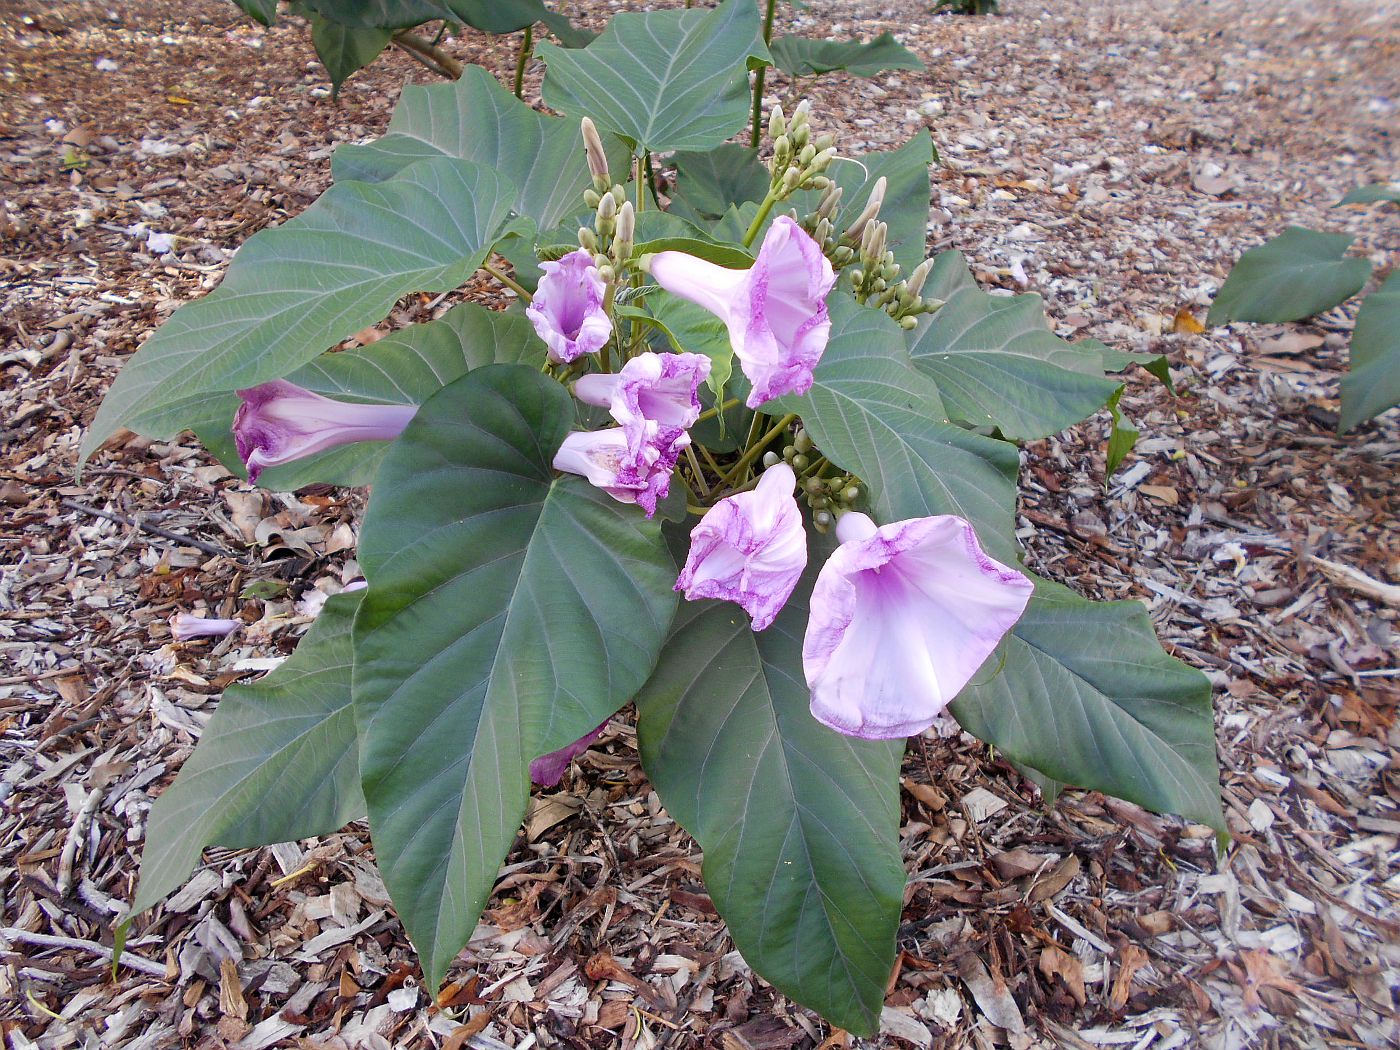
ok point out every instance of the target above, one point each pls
(902, 616)
(749, 548)
(185, 626)
(567, 310)
(548, 770)
(279, 422)
(775, 310)
(654, 397)
(605, 458)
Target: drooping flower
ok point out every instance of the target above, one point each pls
(279, 422)
(606, 460)
(184, 626)
(902, 616)
(749, 548)
(548, 770)
(654, 397)
(567, 310)
(775, 310)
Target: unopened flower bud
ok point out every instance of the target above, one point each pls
(908, 322)
(771, 458)
(819, 182)
(800, 462)
(822, 160)
(607, 273)
(791, 178)
(831, 200)
(815, 486)
(836, 484)
(782, 152)
(842, 255)
(856, 230)
(806, 155)
(588, 240)
(800, 116)
(607, 213)
(915, 284)
(619, 195)
(857, 277)
(777, 125)
(851, 494)
(789, 452)
(802, 442)
(626, 232)
(591, 198)
(822, 519)
(593, 146)
(824, 142)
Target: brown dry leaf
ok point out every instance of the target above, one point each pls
(462, 1033)
(991, 995)
(1260, 971)
(231, 1001)
(1131, 959)
(1161, 493)
(548, 810)
(1015, 863)
(1291, 341)
(929, 795)
(1056, 881)
(1055, 962)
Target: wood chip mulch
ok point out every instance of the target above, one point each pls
(1114, 156)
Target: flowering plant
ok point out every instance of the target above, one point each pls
(596, 496)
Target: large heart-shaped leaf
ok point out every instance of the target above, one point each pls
(1083, 692)
(996, 362)
(1375, 192)
(510, 611)
(800, 825)
(278, 761)
(296, 290)
(1297, 274)
(871, 412)
(476, 119)
(802, 56)
(490, 16)
(664, 80)
(708, 183)
(1373, 384)
(343, 49)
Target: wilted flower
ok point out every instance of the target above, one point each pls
(775, 310)
(567, 310)
(654, 397)
(902, 616)
(185, 626)
(605, 458)
(279, 422)
(749, 548)
(548, 770)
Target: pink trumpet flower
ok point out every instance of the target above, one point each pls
(775, 310)
(902, 616)
(749, 548)
(279, 422)
(185, 626)
(567, 310)
(548, 770)
(654, 397)
(605, 458)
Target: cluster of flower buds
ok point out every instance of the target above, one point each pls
(820, 223)
(613, 235)
(827, 496)
(798, 160)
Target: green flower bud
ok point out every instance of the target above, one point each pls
(776, 124)
(771, 458)
(806, 155)
(799, 461)
(591, 198)
(815, 486)
(782, 153)
(822, 520)
(593, 146)
(842, 255)
(791, 178)
(824, 142)
(607, 210)
(908, 323)
(587, 239)
(856, 230)
(915, 284)
(802, 442)
(836, 484)
(820, 182)
(789, 452)
(822, 160)
(818, 502)
(606, 272)
(851, 494)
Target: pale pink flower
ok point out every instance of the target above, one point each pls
(749, 548)
(548, 770)
(185, 626)
(654, 397)
(902, 616)
(279, 422)
(775, 310)
(567, 310)
(606, 460)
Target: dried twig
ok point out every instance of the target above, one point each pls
(154, 530)
(44, 940)
(75, 839)
(1358, 581)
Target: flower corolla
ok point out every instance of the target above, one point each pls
(567, 310)
(775, 310)
(902, 616)
(749, 548)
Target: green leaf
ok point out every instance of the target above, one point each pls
(799, 824)
(277, 762)
(490, 16)
(1373, 384)
(802, 56)
(708, 183)
(871, 412)
(509, 612)
(297, 289)
(1121, 438)
(1297, 274)
(345, 49)
(906, 197)
(1086, 696)
(950, 274)
(264, 11)
(476, 119)
(997, 363)
(664, 80)
(693, 329)
(1377, 191)
(730, 255)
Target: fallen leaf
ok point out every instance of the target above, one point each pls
(1057, 963)
(1261, 970)
(1185, 323)
(1287, 343)
(990, 994)
(1131, 959)
(1161, 493)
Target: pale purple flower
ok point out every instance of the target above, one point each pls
(606, 460)
(185, 626)
(567, 310)
(548, 770)
(654, 397)
(749, 548)
(279, 422)
(902, 616)
(775, 310)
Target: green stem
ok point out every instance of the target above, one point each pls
(509, 282)
(710, 413)
(755, 450)
(651, 183)
(525, 43)
(763, 209)
(760, 76)
(699, 473)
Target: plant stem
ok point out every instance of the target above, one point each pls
(525, 41)
(699, 473)
(763, 209)
(509, 282)
(759, 77)
(432, 56)
(710, 413)
(651, 183)
(755, 450)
